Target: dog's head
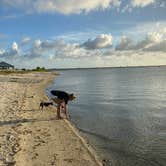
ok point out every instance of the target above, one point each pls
(51, 103)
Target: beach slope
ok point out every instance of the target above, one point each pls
(31, 137)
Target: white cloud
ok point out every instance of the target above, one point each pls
(14, 46)
(138, 30)
(37, 43)
(61, 6)
(52, 49)
(154, 41)
(148, 50)
(141, 3)
(2, 52)
(162, 4)
(58, 49)
(26, 40)
(101, 41)
(134, 58)
(155, 37)
(12, 53)
(124, 44)
(161, 46)
(68, 7)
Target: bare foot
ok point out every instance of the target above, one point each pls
(59, 117)
(68, 117)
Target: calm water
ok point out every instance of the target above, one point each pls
(122, 112)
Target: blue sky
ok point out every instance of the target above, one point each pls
(75, 33)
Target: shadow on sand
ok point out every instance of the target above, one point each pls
(17, 121)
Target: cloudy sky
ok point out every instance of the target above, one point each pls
(79, 33)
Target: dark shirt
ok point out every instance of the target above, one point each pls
(61, 95)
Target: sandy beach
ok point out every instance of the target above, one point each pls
(31, 137)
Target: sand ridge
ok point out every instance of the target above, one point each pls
(31, 137)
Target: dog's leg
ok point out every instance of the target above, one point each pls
(41, 107)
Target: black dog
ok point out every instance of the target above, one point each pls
(45, 104)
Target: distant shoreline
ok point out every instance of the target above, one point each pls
(52, 69)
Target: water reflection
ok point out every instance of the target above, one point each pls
(121, 112)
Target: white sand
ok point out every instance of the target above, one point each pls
(31, 137)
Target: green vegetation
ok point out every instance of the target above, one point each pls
(40, 69)
(22, 71)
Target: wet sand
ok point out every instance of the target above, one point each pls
(31, 137)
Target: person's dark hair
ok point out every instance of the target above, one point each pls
(71, 96)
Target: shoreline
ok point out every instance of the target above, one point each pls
(89, 147)
(36, 137)
(76, 131)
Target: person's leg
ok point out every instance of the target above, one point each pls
(58, 111)
(66, 111)
(58, 102)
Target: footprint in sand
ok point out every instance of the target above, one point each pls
(46, 134)
(39, 140)
(53, 159)
(69, 160)
(37, 137)
(25, 132)
(38, 130)
(35, 156)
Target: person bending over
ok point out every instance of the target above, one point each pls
(61, 98)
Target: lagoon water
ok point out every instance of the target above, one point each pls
(121, 111)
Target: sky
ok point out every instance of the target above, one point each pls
(81, 34)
